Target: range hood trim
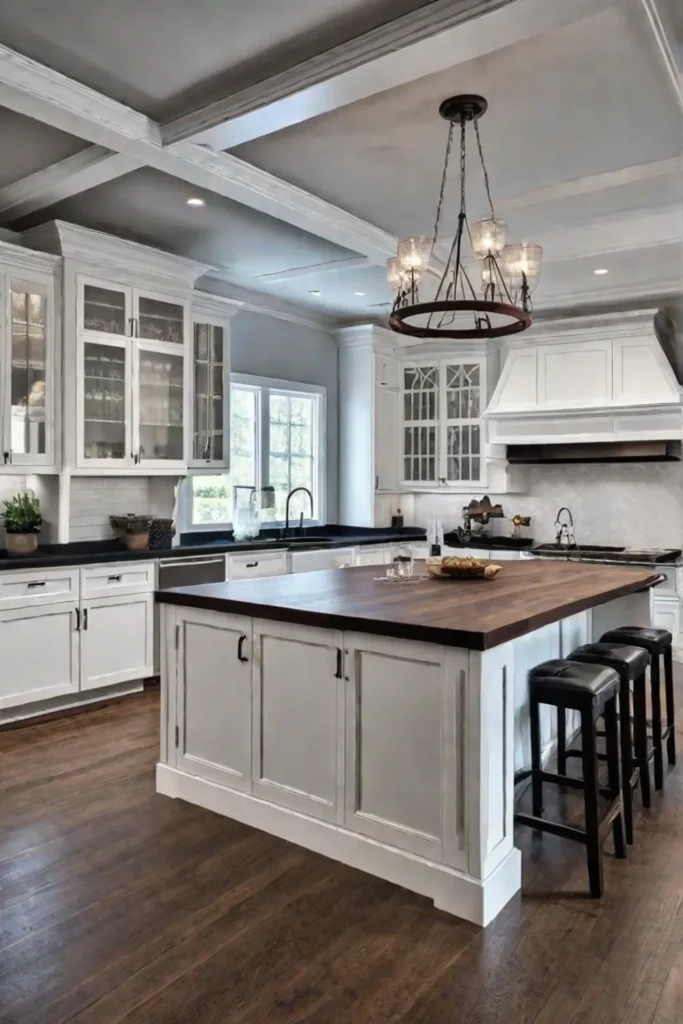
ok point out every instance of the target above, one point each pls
(572, 452)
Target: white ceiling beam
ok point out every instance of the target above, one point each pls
(314, 269)
(86, 169)
(638, 229)
(46, 95)
(594, 183)
(422, 43)
(654, 16)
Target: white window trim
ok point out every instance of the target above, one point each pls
(267, 384)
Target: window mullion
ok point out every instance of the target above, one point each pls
(263, 461)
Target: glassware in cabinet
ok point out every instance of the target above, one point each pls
(105, 384)
(160, 404)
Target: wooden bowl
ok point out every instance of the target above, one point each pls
(452, 567)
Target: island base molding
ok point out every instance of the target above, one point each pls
(451, 891)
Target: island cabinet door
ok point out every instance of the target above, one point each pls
(298, 702)
(405, 745)
(213, 712)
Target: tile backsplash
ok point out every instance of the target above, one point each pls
(637, 504)
(94, 499)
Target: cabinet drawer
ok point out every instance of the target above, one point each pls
(372, 556)
(110, 580)
(260, 563)
(37, 586)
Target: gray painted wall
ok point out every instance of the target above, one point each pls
(266, 347)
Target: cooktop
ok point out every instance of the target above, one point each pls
(605, 552)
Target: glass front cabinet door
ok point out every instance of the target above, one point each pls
(104, 403)
(443, 428)
(159, 407)
(28, 388)
(210, 395)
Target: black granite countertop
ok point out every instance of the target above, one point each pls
(210, 543)
(193, 545)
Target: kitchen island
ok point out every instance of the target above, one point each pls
(377, 723)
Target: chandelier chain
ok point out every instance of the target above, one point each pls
(483, 167)
(442, 190)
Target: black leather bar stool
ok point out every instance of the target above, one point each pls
(631, 664)
(591, 690)
(658, 643)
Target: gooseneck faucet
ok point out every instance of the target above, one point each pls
(565, 530)
(289, 498)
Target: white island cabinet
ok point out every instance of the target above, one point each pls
(381, 729)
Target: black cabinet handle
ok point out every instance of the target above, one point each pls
(78, 618)
(5, 455)
(240, 645)
(36, 583)
(251, 565)
(85, 618)
(338, 673)
(113, 579)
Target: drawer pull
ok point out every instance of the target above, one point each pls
(36, 583)
(252, 565)
(114, 579)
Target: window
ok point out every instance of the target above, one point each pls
(277, 434)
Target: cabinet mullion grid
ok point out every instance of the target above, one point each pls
(462, 416)
(421, 419)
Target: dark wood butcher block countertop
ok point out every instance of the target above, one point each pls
(476, 614)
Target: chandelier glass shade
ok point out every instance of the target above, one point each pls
(496, 300)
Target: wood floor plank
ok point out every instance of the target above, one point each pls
(118, 906)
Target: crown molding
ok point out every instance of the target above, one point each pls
(248, 301)
(21, 258)
(315, 269)
(207, 304)
(433, 38)
(364, 335)
(95, 247)
(86, 169)
(607, 301)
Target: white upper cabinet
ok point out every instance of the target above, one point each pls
(443, 432)
(29, 357)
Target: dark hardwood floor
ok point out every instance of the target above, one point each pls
(118, 905)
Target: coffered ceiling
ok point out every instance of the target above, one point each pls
(310, 130)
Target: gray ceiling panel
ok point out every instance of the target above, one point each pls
(161, 56)
(28, 146)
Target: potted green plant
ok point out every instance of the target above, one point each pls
(22, 521)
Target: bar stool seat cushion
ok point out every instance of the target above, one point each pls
(654, 640)
(617, 656)
(560, 674)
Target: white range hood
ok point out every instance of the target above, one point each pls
(586, 380)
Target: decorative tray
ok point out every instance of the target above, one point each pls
(452, 567)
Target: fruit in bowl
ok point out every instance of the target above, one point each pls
(462, 568)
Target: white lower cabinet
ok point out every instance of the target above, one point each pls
(213, 706)
(666, 614)
(322, 558)
(39, 648)
(373, 556)
(116, 640)
(298, 717)
(400, 752)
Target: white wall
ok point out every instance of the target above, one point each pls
(267, 347)
(94, 499)
(635, 504)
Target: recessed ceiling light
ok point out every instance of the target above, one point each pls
(314, 291)
(359, 293)
(601, 270)
(195, 201)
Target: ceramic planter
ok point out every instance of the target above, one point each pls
(21, 544)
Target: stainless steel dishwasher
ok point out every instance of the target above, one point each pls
(185, 572)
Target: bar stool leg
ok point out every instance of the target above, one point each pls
(590, 796)
(614, 775)
(655, 684)
(626, 756)
(640, 738)
(670, 709)
(561, 741)
(536, 780)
